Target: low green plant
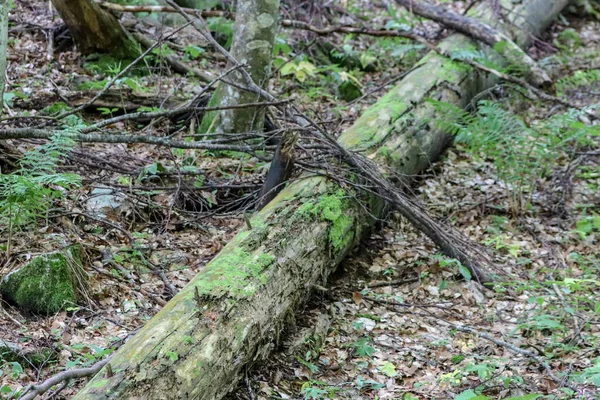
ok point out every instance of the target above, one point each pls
(14, 370)
(362, 347)
(314, 389)
(521, 154)
(453, 263)
(577, 80)
(27, 194)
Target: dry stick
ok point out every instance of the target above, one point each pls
(32, 133)
(511, 347)
(483, 32)
(202, 28)
(175, 112)
(452, 243)
(521, 82)
(119, 75)
(393, 283)
(463, 24)
(177, 65)
(31, 392)
(286, 23)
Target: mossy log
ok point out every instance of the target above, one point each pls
(96, 30)
(233, 312)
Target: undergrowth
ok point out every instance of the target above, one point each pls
(27, 194)
(521, 154)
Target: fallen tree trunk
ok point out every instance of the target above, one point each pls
(230, 315)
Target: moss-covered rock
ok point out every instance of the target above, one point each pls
(46, 285)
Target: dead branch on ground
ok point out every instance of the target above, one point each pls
(32, 391)
(483, 32)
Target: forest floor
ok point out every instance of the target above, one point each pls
(385, 326)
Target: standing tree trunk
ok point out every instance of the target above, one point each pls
(254, 33)
(4, 4)
(230, 314)
(96, 30)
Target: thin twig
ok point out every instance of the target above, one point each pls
(396, 282)
(32, 133)
(118, 76)
(517, 350)
(32, 391)
(286, 23)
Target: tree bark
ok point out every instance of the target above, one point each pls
(96, 30)
(4, 4)
(230, 314)
(254, 34)
(280, 170)
(484, 32)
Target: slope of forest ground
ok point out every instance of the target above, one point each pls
(386, 324)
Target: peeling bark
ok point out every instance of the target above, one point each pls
(256, 24)
(230, 314)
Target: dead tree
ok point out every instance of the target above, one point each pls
(231, 313)
(96, 30)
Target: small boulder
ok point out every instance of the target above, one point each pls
(48, 284)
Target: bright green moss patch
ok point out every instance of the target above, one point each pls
(234, 272)
(47, 284)
(100, 383)
(368, 131)
(330, 207)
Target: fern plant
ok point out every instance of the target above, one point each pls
(579, 79)
(28, 193)
(521, 154)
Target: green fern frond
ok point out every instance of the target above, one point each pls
(577, 80)
(521, 154)
(28, 193)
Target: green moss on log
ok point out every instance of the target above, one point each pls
(330, 207)
(234, 274)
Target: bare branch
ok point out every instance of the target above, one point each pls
(118, 76)
(286, 23)
(32, 133)
(35, 390)
(483, 32)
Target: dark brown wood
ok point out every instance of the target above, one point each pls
(94, 29)
(280, 170)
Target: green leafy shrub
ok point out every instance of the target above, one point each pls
(28, 193)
